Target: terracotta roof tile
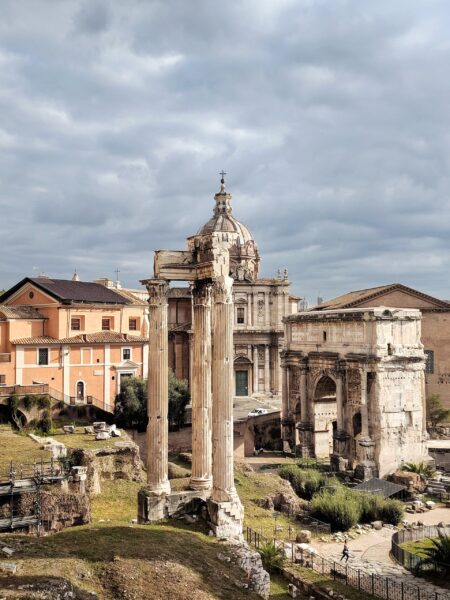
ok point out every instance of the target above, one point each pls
(352, 299)
(20, 312)
(101, 337)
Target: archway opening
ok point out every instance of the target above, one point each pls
(80, 390)
(325, 416)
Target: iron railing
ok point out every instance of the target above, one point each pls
(379, 586)
(410, 560)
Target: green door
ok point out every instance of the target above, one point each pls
(241, 383)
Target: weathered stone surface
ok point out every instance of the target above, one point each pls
(109, 464)
(363, 369)
(303, 536)
(412, 481)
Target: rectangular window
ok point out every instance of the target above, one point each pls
(126, 353)
(132, 324)
(75, 324)
(106, 324)
(240, 313)
(3, 379)
(429, 361)
(43, 356)
(324, 336)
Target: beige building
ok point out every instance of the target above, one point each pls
(435, 327)
(354, 388)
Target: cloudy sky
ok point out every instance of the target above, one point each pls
(331, 118)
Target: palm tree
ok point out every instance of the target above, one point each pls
(272, 557)
(438, 555)
(425, 471)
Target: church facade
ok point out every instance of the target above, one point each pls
(260, 304)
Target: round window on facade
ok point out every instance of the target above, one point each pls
(31, 295)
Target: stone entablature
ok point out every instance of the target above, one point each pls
(354, 387)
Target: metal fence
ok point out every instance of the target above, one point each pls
(379, 586)
(408, 559)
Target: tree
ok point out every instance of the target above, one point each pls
(131, 403)
(436, 413)
(178, 400)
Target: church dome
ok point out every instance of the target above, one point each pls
(244, 257)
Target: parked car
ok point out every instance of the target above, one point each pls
(258, 411)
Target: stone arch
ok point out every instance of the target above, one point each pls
(325, 414)
(325, 387)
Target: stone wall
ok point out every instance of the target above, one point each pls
(108, 464)
(59, 509)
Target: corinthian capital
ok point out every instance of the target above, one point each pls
(201, 293)
(157, 291)
(223, 289)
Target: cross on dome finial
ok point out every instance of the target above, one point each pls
(222, 181)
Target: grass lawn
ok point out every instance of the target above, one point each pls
(253, 486)
(418, 547)
(18, 448)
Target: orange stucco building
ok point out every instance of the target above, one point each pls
(80, 338)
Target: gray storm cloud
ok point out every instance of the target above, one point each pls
(331, 119)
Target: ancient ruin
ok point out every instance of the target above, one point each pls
(207, 263)
(354, 388)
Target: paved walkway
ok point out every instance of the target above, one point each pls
(370, 552)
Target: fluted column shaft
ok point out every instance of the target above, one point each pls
(304, 412)
(201, 388)
(267, 368)
(158, 389)
(222, 386)
(364, 407)
(339, 402)
(255, 370)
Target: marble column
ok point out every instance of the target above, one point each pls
(255, 370)
(267, 368)
(304, 412)
(339, 402)
(249, 310)
(201, 388)
(158, 389)
(364, 408)
(222, 389)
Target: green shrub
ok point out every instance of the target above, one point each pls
(338, 507)
(43, 402)
(45, 424)
(272, 557)
(288, 472)
(371, 507)
(28, 402)
(392, 512)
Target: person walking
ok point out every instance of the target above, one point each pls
(345, 552)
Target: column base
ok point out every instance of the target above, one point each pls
(200, 483)
(226, 519)
(152, 507)
(155, 507)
